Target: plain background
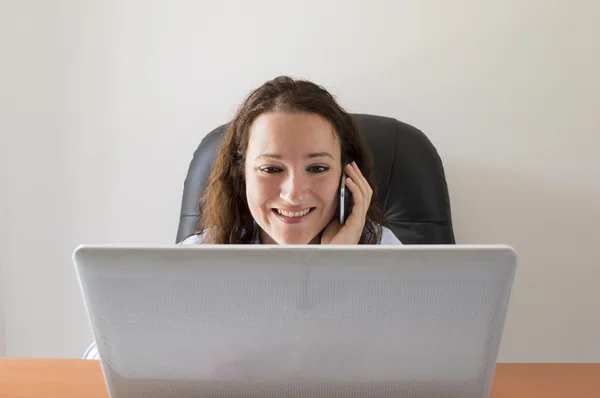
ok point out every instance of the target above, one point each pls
(103, 103)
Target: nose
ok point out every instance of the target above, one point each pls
(294, 189)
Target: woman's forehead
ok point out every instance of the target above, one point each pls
(295, 132)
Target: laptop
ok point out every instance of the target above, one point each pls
(297, 321)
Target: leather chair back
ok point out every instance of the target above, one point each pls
(409, 174)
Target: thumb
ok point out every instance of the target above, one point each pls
(330, 231)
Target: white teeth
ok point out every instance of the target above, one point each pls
(293, 214)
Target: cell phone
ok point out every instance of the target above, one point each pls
(345, 199)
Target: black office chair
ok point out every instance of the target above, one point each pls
(409, 174)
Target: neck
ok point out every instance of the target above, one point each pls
(265, 239)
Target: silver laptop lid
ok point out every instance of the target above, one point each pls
(297, 321)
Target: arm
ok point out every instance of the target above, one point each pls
(91, 352)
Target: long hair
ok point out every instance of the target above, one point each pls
(225, 216)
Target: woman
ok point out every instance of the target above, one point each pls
(277, 175)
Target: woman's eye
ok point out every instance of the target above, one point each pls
(318, 169)
(270, 170)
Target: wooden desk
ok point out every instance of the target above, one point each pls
(59, 378)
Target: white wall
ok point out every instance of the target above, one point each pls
(507, 91)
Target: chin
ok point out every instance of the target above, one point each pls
(292, 241)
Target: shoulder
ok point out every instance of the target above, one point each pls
(199, 238)
(388, 237)
(195, 239)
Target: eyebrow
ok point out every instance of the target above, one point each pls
(309, 156)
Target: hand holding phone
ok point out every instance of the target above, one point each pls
(355, 196)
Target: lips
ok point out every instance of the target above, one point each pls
(293, 216)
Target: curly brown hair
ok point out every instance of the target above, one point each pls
(225, 216)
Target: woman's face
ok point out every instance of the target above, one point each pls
(292, 171)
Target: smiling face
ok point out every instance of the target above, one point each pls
(292, 173)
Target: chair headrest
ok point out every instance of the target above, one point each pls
(408, 171)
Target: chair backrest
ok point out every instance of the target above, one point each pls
(409, 175)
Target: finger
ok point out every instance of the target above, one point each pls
(362, 182)
(356, 177)
(368, 188)
(359, 207)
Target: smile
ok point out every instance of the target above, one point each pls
(292, 217)
(294, 213)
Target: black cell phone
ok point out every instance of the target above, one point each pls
(345, 199)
